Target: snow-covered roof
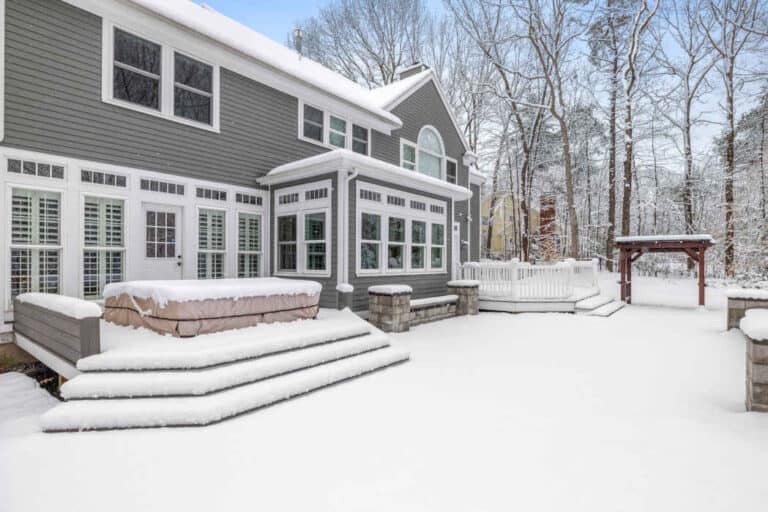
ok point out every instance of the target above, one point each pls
(385, 97)
(367, 166)
(237, 36)
(666, 238)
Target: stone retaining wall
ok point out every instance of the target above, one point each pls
(757, 375)
(738, 306)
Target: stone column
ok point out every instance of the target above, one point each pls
(389, 307)
(757, 375)
(469, 296)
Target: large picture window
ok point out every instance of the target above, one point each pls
(211, 244)
(35, 249)
(137, 70)
(103, 244)
(248, 245)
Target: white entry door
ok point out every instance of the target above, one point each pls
(162, 254)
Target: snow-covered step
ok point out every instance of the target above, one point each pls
(206, 409)
(169, 353)
(592, 303)
(203, 381)
(608, 309)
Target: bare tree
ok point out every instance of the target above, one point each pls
(729, 33)
(639, 25)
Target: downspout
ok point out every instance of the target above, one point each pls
(342, 262)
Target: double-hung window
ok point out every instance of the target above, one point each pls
(35, 242)
(287, 247)
(137, 70)
(103, 244)
(302, 224)
(337, 134)
(192, 89)
(438, 246)
(370, 241)
(418, 244)
(360, 139)
(211, 244)
(313, 123)
(450, 171)
(248, 245)
(408, 156)
(396, 247)
(158, 79)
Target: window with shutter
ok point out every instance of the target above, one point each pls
(103, 244)
(211, 244)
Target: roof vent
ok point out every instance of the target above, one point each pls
(413, 69)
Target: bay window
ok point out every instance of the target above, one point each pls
(211, 244)
(370, 241)
(103, 244)
(35, 248)
(248, 245)
(286, 243)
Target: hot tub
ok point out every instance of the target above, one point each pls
(186, 308)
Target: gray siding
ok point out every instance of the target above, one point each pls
(475, 232)
(328, 295)
(425, 107)
(428, 285)
(53, 105)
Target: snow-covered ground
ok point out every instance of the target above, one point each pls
(643, 410)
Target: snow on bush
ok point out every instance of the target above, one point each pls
(68, 306)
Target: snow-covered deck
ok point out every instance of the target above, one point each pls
(494, 412)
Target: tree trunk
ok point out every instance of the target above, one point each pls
(612, 166)
(492, 206)
(730, 171)
(626, 205)
(573, 220)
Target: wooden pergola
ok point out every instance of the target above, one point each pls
(632, 247)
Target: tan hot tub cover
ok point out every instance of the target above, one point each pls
(186, 308)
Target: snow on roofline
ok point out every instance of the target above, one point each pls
(747, 293)
(666, 238)
(345, 159)
(237, 36)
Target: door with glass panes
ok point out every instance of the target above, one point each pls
(162, 252)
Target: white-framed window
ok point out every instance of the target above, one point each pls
(40, 169)
(248, 244)
(212, 245)
(407, 155)
(103, 244)
(319, 126)
(394, 239)
(35, 248)
(151, 76)
(337, 132)
(303, 229)
(160, 235)
(451, 170)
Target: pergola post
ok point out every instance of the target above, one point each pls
(622, 267)
(629, 277)
(701, 275)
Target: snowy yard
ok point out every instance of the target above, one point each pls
(643, 410)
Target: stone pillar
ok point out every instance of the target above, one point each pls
(739, 301)
(344, 295)
(469, 296)
(757, 375)
(389, 307)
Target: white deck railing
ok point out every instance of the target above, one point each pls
(523, 281)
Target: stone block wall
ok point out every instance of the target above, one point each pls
(469, 296)
(737, 307)
(390, 312)
(757, 375)
(433, 312)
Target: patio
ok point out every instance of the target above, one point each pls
(494, 412)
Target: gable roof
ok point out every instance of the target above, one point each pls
(225, 30)
(392, 95)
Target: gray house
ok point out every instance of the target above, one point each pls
(159, 139)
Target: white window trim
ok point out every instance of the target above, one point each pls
(300, 209)
(327, 114)
(123, 248)
(344, 134)
(368, 143)
(385, 211)
(167, 78)
(260, 252)
(442, 145)
(445, 166)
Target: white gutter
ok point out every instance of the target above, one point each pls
(342, 224)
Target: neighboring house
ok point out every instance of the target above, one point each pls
(158, 139)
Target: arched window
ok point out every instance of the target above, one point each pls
(431, 152)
